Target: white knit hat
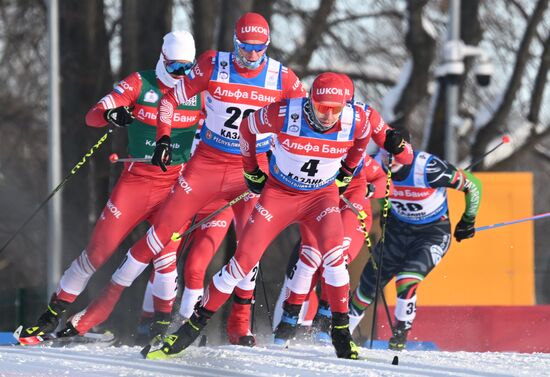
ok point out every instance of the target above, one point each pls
(179, 45)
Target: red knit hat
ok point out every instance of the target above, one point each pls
(332, 87)
(252, 27)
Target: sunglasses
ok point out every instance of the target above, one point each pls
(323, 109)
(249, 47)
(178, 68)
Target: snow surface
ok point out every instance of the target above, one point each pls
(263, 360)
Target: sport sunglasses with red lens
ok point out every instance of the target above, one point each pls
(323, 109)
(179, 68)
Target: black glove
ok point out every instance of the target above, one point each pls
(394, 142)
(370, 190)
(255, 180)
(119, 116)
(343, 178)
(163, 153)
(464, 229)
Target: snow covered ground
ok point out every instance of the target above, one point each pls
(266, 360)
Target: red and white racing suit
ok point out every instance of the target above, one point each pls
(354, 238)
(303, 281)
(136, 197)
(300, 190)
(215, 171)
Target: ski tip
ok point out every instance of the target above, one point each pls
(145, 351)
(26, 340)
(17, 332)
(395, 360)
(202, 342)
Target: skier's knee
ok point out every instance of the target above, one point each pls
(406, 284)
(165, 285)
(336, 276)
(249, 282)
(165, 263)
(128, 271)
(310, 257)
(300, 282)
(228, 277)
(76, 277)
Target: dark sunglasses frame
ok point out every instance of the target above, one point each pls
(178, 68)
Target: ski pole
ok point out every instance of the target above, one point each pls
(261, 275)
(253, 310)
(177, 236)
(361, 215)
(73, 171)
(505, 140)
(114, 159)
(497, 225)
(385, 211)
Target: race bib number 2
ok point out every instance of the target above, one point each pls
(236, 116)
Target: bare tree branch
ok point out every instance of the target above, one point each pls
(355, 76)
(360, 16)
(202, 18)
(421, 47)
(528, 144)
(540, 83)
(490, 129)
(228, 16)
(544, 152)
(519, 8)
(315, 27)
(263, 7)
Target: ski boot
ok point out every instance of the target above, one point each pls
(238, 323)
(341, 338)
(286, 329)
(177, 342)
(321, 324)
(47, 323)
(398, 341)
(157, 331)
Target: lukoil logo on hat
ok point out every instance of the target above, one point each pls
(330, 87)
(252, 27)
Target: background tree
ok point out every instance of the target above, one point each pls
(390, 49)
